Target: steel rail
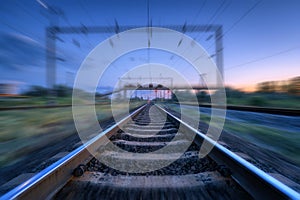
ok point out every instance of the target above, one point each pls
(46, 183)
(252, 179)
(257, 109)
(268, 110)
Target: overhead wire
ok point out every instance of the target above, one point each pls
(223, 6)
(242, 17)
(245, 14)
(198, 13)
(231, 27)
(263, 58)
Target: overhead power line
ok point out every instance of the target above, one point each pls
(263, 58)
(235, 24)
(241, 18)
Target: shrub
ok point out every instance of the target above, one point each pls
(257, 101)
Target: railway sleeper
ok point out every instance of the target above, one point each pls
(206, 185)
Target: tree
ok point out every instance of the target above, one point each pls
(294, 86)
(36, 90)
(269, 87)
(62, 90)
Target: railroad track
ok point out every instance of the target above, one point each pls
(220, 175)
(268, 110)
(257, 109)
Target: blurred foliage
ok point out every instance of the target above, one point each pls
(282, 94)
(36, 91)
(202, 96)
(22, 132)
(38, 95)
(263, 99)
(257, 101)
(285, 143)
(237, 97)
(58, 90)
(291, 86)
(132, 99)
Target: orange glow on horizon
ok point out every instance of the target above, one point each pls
(244, 88)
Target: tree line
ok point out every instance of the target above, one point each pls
(291, 86)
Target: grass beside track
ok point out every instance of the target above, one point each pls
(285, 143)
(24, 131)
(32, 101)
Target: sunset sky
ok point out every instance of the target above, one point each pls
(261, 38)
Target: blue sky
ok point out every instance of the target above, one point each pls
(267, 32)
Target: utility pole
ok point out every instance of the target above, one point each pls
(53, 30)
(219, 54)
(52, 14)
(202, 80)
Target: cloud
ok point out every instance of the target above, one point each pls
(20, 50)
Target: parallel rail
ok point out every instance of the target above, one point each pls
(269, 110)
(46, 183)
(251, 178)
